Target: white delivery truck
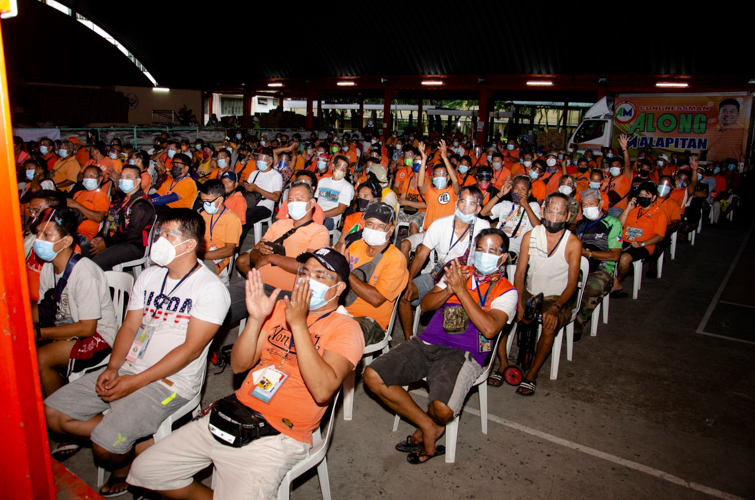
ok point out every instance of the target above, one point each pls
(714, 126)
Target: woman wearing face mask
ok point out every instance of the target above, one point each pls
(208, 164)
(644, 226)
(366, 194)
(567, 185)
(75, 311)
(140, 159)
(37, 180)
(619, 184)
(517, 214)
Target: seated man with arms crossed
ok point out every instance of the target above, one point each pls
(378, 273)
(472, 305)
(304, 338)
(159, 357)
(300, 233)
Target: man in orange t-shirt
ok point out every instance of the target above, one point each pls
(645, 226)
(222, 228)
(47, 150)
(289, 387)
(93, 203)
(234, 200)
(377, 286)
(441, 195)
(178, 192)
(618, 185)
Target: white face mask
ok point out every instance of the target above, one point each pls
(374, 237)
(527, 163)
(565, 189)
(297, 209)
(551, 162)
(113, 156)
(63, 153)
(615, 171)
(90, 184)
(591, 213)
(163, 252)
(222, 162)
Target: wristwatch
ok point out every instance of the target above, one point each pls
(642, 244)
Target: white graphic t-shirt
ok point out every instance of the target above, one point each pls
(331, 192)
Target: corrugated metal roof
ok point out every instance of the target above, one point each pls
(181, 43)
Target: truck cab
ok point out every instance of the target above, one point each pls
(596, 129)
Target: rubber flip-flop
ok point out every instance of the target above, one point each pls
(112, 481)
(407, 446)
(497, 377)
(63, 452)
(414, 458)
(528, 385)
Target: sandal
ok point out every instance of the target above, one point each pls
(64, 451)
(407, 446)
(114, 480)
(527, 385)
(414, 457)
(496, 379)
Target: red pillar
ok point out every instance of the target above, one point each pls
(27, 472)
(319, 110)
(482, 119)
(209, 106)
(247, 108)
(360, 117)
(386, 112)
(280, 102)
(420, 124)
(310, 98)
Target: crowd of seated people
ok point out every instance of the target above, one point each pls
(360, 230)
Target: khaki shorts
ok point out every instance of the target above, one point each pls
(252, 472)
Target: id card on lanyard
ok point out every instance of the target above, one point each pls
(483, 344)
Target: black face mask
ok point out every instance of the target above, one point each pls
(553, 227)
(582, 169)
(362, 204)
(644, 201)
(644, 173)
(175, 172)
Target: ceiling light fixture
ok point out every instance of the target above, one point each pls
(432, 82)
(274, 84)
(345, 83)
(671, 84)
(542, 83)
(160, 89)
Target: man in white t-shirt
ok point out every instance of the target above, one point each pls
(515, 217)
(334, 194)
(264, 184)
(159, 357)
(446, 239)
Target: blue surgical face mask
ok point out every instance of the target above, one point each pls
(262, 165)
(497, 165)
(732, 167)
(44, 249)
(210, 207)
(699, 176)
(238, 136)
(456, 143)
(198, 147)
(317, 299)
(30, 174)
(222, 162)
(510, 147)
(465, 218)
(126, 185)
(663, 190)
(297, 209)
(171, 153)
(716, 170)
(486, 263)
(534, 175)
(43, 150)
(490, 158)
(463, 169)
(322, 165)
(90, 184)
(595, 185)
(131, 162)
(440, 182)
(63, 153)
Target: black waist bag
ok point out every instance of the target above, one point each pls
(237, 425)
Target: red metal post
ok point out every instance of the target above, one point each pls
(420, 124)
(319, 110)
(310, 98)
(386, 112)
(27, 472)
(482, 119)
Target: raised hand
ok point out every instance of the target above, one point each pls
(258, 304)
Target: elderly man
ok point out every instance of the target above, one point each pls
(378, 273)
(92, 203)
(65, 171)
(471, 305)
(297, 350)
(178, 192)
(549, 260)
(601, 244)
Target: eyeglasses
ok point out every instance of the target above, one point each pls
(166, 233)
(318, 274)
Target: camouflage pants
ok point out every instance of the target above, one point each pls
(598, 284)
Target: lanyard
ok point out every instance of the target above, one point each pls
(484, 298)
(557, 244)
(291, 339)
(588, 227)
(460, 237)
(640, 214)
(212, 224)
(162, 288)
(174, 182)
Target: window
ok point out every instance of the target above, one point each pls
(590, 130)
(231, 106)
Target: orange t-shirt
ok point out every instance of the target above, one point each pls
(621, 184)
(117, 165)
(353, 223)
(679, 196)
(50, 159)
(146, 181)
(82, 156)
(583, 181)
(651, 221)
(670, 208)
(293, 411)
(185, 187)
(538, 190)
(318, 215)
(389, 278)
(66, 169)
(401, 180)
(237, 203)
(221, 228)
(299, 165)
(440, 203)
(33, 270)
(412, 194)
(310, 237)
(500, 176)
(553, 180)
(97, 201)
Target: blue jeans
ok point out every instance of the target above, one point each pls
(328, 223)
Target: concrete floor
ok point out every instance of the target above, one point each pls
(648, 408)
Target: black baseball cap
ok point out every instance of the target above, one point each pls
(380, 211)
(330, 259)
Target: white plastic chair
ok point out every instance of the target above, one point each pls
(604, 306)
(382, 346)
(335, 235)
(121, 283)
(225, 274)
(166, 427)
(730, 215)
(317, 458)
(399, 225)
(258, 228)
(673, 245)
(452, 428)
(138, 264)
(637, 278)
